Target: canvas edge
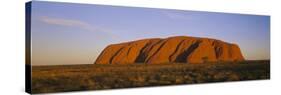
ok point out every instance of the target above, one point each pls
(28, 7)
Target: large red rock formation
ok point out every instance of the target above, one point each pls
(180, 49)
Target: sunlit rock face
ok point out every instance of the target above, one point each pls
(179, 49)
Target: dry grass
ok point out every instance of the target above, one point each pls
(46, 79)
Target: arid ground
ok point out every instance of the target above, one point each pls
(47, 79)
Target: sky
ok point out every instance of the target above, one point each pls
(68, 33)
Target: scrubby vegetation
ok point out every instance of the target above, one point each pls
(46, 79)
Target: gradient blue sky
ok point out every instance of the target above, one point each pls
(67, 33)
